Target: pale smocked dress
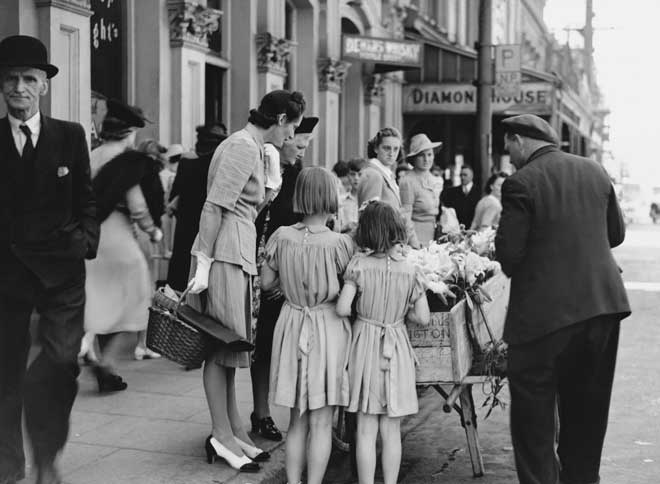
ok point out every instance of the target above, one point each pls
(310, 344)
(381, 363)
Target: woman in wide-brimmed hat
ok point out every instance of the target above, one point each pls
(420, 190)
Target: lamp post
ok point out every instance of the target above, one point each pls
(484, 91)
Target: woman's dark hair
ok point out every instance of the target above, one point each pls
(341, 169)
(291, 104)
(489, 183)
(375, 142)
(380, 227)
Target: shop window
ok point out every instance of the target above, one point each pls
(449, 66)
(214, 78)
(467, 69)
(107, 30)
(431, 63)
(215, 39)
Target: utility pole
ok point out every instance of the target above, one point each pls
(484, 91)
(589, 42)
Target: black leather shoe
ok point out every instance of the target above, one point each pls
(108, 381)
(265, 427)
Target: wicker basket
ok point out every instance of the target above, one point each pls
(174, 339)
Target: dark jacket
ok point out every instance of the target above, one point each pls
(559, 220)
(190, 186)
(462, 203)
(48, 220)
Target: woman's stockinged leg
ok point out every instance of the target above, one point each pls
(320, 443)
(390, 434)
(367, 431)
(232, 409)
(215, 386)
(296, 445)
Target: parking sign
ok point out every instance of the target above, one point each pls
(507, 70)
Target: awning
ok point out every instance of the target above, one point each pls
(385, 54)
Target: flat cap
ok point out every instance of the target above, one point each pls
(531, 126)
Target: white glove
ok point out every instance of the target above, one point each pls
(156, 235)
(200, 281)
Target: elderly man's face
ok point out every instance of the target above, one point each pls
(294, 149)
(21, 88)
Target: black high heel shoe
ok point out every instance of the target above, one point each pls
(215, 449)
(265, 427)
(108, 381)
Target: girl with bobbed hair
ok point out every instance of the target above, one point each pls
(225, 261)
(377, 178)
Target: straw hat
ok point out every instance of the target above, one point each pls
(420, 142)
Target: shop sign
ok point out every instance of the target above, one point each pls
(106, 47)
(508, 76)
(384, 51)
(534, 97)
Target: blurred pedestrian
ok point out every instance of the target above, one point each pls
(48, 228)
(118, 285)
(463, 198)
(488, 210)
(278, 214)
(310, 343)
(560, 219)
(420, 191)
(187, 198)
(225, 262)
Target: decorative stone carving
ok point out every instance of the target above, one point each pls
(395, 18)
(332, 73)
(373, 88)
(272, 53)
(191, 23)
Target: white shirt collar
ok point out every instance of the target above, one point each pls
(34, 123)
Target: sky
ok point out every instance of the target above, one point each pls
(627, 59)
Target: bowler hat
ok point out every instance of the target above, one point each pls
(25, 51)
(307, 125)
(420, 142)
(531, 126)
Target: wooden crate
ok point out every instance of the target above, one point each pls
(443, 347)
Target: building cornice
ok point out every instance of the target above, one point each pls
(272, 53)
(80, 7)
(191, 24)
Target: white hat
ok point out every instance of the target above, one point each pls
(420, 142)
(174, 150)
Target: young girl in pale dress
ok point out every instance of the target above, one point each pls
(310, 343)
(381, 365)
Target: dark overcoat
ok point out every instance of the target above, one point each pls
(464, 205)
(560, 218)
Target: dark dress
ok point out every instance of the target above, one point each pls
(190, 186)
(278, 214)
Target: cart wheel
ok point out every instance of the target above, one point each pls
(343, 430)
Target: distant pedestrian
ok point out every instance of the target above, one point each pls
(388, 290)
(378, 177)
(310, 343)
(463, 198)
(488, 210)
(420, 190)
(187, 198)
(559, 220)
(48, 228)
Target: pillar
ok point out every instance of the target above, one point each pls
(331, 75)
(63, 26)
(190, 25)
(373, 100)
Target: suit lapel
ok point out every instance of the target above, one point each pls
(9, 156)
(45, 144)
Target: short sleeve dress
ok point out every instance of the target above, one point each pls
(381, 363)
(420, 198)
(310, 343)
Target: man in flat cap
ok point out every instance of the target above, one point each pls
(560, 219)
(47, 228)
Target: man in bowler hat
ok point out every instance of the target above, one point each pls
(560, 219)
(47, 228)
